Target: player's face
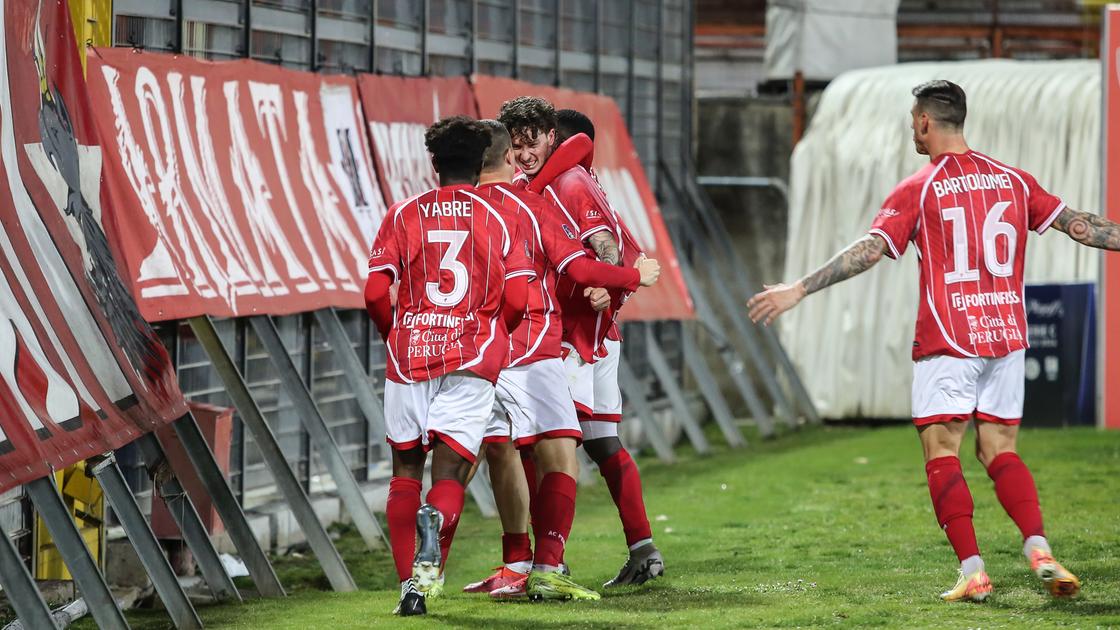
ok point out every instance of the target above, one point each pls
(532, 152)
(919, 124)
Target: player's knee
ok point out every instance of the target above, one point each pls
(409, 463)
(601, 449)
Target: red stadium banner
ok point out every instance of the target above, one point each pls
(237, 187)
(620, 172)
(1110, 191)
(398, 110)
(81, 372)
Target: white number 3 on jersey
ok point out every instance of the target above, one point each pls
(450, 261)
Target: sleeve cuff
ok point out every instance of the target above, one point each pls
(567, 261)
(521, 272)
(890, 244)
(598, 228)
(392, 269)
(1045, 225)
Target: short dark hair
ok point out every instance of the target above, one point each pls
(457, 144)
(569, 122)
(944, 101)
(526, 117)
(499, 144)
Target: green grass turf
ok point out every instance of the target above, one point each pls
(827, 527)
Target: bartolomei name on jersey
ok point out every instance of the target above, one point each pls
(969, 182)
(446, 209)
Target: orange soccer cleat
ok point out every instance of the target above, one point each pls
(502, 578)
(1060, 582)
(969, 588)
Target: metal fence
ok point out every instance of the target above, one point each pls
(636, 51)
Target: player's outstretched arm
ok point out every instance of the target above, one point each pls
(779, 298)
(604, 246)
(1089, 229)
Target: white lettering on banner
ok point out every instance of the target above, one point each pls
(201, 173)
(962, 301)
(404, 159)
(184, 231)
(268, 104)
(622, 193)
(972, 181)
(347, 264)
(159, 275)
(350, 162)
(256, 199)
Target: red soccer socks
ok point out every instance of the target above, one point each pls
(447, 496)
(952, 503)
(1016, 491)
(552, 520)
(625, 484)
(400, 511)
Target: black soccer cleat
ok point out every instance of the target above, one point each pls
(427, 562)
(644, 564)
(412, 601)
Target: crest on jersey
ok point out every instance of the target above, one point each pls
(887, 213)
(568, 231)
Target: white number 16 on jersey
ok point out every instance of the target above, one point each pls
(450, 262)
(994, 227)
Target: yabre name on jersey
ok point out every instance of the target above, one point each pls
(446, 209)
(962, 301)
(971, 181)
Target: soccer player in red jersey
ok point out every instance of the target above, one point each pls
(558, 167)
(968, 216)
(455, 258)
(540, 415)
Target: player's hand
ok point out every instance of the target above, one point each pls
(649, 269)
(600, 298)
(393, 288)
(775, 300)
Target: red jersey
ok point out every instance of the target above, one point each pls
(451, 251)
(552, 244)
(968, 217)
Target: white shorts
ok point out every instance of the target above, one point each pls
(594, 386)
(536, 405)
(951, 388)
(453, 409)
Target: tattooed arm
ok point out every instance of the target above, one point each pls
(856, 259)
(605, 246)
(1089, 229)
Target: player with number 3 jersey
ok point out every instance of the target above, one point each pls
(968, 217)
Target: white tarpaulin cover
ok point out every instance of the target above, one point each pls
(852, 342)
(823, 38)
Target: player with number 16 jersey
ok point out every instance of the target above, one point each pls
(968, 216)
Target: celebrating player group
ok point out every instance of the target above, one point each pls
(501, 343)
(497, 292)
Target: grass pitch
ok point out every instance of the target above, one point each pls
(828, 527)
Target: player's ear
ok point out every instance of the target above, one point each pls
(509, 157)
(552, 137)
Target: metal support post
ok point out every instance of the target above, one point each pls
(735, 368)
(20, 588)
(736, 272)
(672, 388)
(329, 559)
(636, 396)
(190, 525)
(706, 381)
(215, 484)
(140, 535)
(106, 614)
(368, 400)
(345, 484)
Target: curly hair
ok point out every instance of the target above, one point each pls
(526, 117)
(457, 144)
